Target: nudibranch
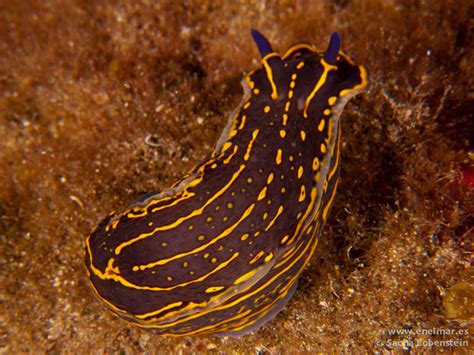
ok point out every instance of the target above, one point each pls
(220, 252)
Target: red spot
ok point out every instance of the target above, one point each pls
(468, 175)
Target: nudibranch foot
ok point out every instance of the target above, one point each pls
(279, 306)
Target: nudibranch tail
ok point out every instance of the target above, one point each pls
(220, 252)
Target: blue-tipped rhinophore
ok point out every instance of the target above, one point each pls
(333, 48)
(262, 43)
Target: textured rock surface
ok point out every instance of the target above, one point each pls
(103, 101)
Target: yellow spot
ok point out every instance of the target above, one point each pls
(185, 264)
(232, 133)
(226, 146)
(283, 190)
(245, 277)
(191, 227)
(268, 257)
(242, 123)
(265, 216)
(249, 147)
(150, 224)
(262, 194)
(218, 208)
(209, 219)
(256, 91)
(302, 194)
(230, 205)
(303, 135)
(247, 105)
(256, 234)
(323, 148)
(256, 257)
(300, 65)
(249, 180)
(201, 238)
(266, 109)
(287, 106)
(345, 92)
(284, 239)
(332, 100)
(213, 260)
(269, 178)
(163, 244)
(135, 268)
(290, 94)
(292, 85)
(213, 166)
(272, 222)
(214, 288)
(192, 272)
(225, 219)
(169, 278)
(205, 256)
(315, 164)
(115, 223)
(229, 158)
(282, 133)
(285, 119)
(327, 112)
(250, 82)
(278, 156)
(321, 125)
(195, 182)
(293, 76)
(244, 236)
(300, 172)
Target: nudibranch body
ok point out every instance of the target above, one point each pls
(220, 252)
